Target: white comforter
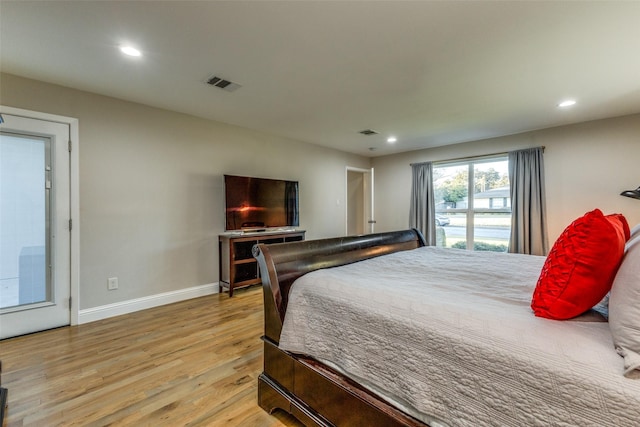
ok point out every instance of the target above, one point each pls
(448, 336)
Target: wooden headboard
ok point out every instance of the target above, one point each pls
(282, 263)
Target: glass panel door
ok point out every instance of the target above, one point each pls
(35, 233)
(24, 220)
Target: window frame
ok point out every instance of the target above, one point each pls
(470, 210)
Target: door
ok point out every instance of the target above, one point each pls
(35, 212)
(359, 201)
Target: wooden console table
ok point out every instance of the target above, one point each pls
(238, 267)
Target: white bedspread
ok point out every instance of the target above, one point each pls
(448, 336)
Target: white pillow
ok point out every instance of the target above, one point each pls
(635, 232)
(624, 310)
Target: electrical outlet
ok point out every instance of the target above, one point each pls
(112, 283)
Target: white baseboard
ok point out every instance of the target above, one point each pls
(130, 306)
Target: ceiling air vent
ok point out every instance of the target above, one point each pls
(368, 132)
(223, 84)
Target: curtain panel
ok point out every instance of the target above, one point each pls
(422, 210)
(291, 202)
(528, 206)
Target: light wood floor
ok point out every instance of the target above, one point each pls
(190, 363)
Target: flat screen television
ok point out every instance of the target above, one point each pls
(255, 204)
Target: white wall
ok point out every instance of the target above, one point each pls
(587, 165)
(151, 189)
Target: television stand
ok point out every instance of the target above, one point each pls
(237, 266)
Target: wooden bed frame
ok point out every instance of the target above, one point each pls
(312, 392)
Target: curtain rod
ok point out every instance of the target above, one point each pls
(484, 156)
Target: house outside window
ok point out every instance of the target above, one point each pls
(473, 204)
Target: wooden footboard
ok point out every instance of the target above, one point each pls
(309, 390)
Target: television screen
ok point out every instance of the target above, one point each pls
(258, 203)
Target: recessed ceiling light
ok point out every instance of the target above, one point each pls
(567, 103)
(130, 50)
(392, 139)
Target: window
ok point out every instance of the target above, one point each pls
(473, 204)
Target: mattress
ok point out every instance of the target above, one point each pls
(448, 336)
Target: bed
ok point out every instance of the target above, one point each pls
(382, 330)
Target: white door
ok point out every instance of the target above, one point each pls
(35, 244)
(359, 201)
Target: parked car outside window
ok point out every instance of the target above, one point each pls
(442, 220)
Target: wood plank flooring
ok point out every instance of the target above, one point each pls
(192, 363)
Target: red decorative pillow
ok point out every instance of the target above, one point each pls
(581, 266)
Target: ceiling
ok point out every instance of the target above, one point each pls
(429, 73)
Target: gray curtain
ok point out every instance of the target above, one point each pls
(422, 211)
(529, 217)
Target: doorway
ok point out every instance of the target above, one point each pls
(359, 201)
(36, 187)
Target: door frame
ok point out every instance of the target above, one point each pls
(369, 216)
(74, 194)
